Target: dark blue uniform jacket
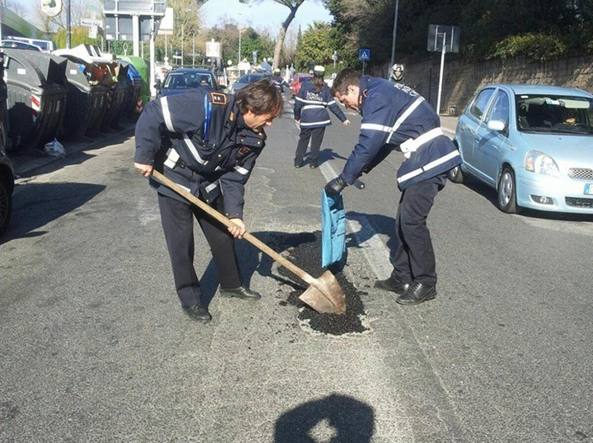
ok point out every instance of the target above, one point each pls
(279, 82)
(200, 140)
(395, 116)
(310, 106)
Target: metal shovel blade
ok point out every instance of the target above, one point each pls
(325, 295)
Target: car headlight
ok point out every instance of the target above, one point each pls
(541, 163)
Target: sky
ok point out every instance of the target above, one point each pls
(260, 14)
(263, 14)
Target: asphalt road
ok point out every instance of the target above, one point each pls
(94, 347)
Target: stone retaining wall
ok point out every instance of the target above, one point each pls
(462, 79)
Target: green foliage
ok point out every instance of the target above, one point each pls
(489, 28)
(540, 47)
(80, 35)
(315, 47)
(251, 41)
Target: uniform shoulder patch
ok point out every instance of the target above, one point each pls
(218, 98)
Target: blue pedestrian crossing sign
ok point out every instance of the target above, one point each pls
(364, 54)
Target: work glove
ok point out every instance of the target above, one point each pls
(335, 186)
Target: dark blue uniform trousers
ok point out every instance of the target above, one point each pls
(177, 219)
(316, 137)
(413, 257)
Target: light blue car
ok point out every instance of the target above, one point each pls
(533, 144)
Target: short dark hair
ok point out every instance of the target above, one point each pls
(346, 77)
(260, 97)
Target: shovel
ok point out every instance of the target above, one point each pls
(324, 294)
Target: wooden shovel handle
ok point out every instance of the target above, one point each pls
(225, 221)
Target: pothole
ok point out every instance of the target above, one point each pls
(306, 254)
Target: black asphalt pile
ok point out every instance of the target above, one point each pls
(305, 252)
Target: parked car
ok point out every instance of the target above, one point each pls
(180, 80)
(533, 144)
(6, 188)
(297, 81)
(18, 45)
(247, 79)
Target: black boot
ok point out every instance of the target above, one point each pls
(240, 292)
(298, 164)
(198, 313)
(313, 164)
(417, 293)
(392, 284)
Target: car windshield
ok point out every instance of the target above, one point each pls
(188, 80)
(554, 113)
(17, 45)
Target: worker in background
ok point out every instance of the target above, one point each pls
(311, 115)
(397, 73)
(278, 80)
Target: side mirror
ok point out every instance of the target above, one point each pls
(496, 125)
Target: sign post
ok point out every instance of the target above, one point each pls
(442, 39)
(364, 55)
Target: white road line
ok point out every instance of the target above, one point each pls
(374, 250)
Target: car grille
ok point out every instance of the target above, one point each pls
(579, 202)
(581, 173)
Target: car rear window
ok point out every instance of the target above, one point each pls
(188, 80)
(554, 113)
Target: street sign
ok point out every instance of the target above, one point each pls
(90, 22)
(364, 54)
(213, 49)
(51, 8)
(167, 22)
(439, 35)
(443, 39)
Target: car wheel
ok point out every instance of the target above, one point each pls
(507, 193)
(5, 206)
(456, 175)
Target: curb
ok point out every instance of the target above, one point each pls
(31, 160)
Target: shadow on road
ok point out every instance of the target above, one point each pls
(380, 224)
(347, 419)
(251, 260)
(36, 204)
(491, 195)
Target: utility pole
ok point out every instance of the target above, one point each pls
(1, 16)
(68, 25)
(182, 36)
(239, 60)
(395, 19)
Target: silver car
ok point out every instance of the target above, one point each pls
(533, 144)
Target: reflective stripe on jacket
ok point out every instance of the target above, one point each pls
(311, 105)
(397, 117)
(200, 141)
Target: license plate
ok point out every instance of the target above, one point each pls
(589, 189)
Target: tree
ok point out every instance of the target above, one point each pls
(315, 46)
(560, 26)
(293, 5)
(251, 41)
(187, 26)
